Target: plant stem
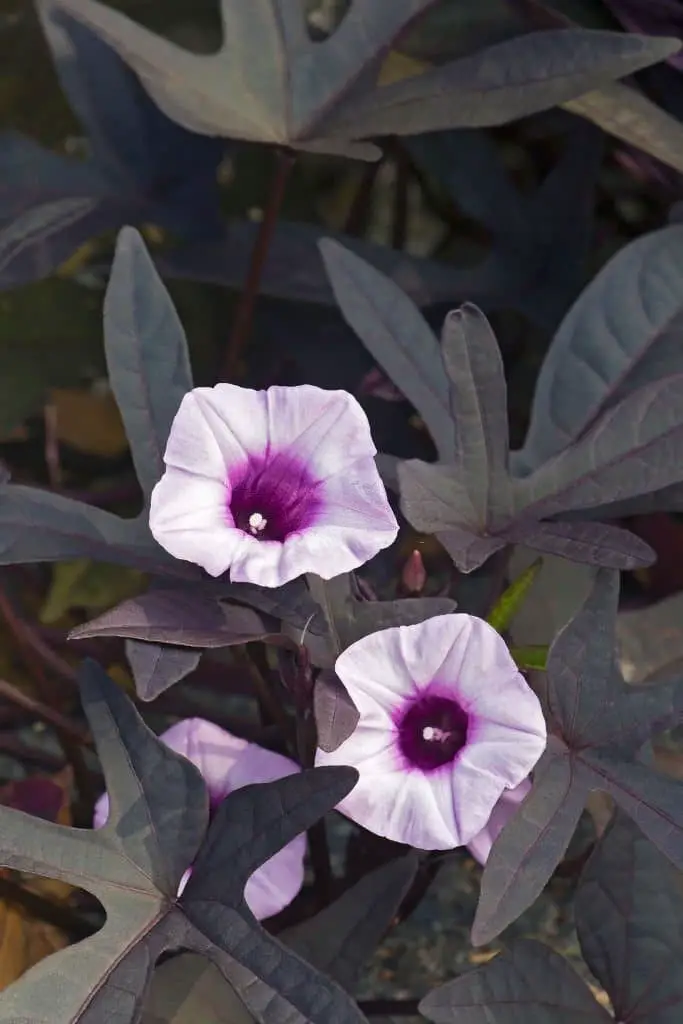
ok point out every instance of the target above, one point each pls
(245, 310)
(46, 714)
(323, 878)
(361, 207)
(389, 1007)
(399, 228)
(33, 651)
(13, 747)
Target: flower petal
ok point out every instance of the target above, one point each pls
(275, 884)
(188, 517)
(227, 763)
(327, 430)
(401, 661)
(388, 800)
(505, 809)
(216, 428)
(377, 676)
(211, 749)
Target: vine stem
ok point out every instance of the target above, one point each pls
(33, 652)
(45, 713)
(389, 1007)
(245, 309)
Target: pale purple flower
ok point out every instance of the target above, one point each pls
(271, 484)
(480, 846)
(447, 725)
(227, 763)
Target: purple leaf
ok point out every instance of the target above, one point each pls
(350, 617)
(622, 332)
(592, 543)
(598, 726)
(185, 617)
(628, 912)
(469, 499)
(155, 667)
(336, 716)
(656, 17)
(324, 97)
(501, 83)
(157, 823)
(396, 335)
(340, 939)
(526, 984)
(147, 355)
(532, 844)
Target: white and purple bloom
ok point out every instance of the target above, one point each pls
(271, 484)
(447, 726)
(227, 763)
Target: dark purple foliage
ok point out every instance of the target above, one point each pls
(412, 336)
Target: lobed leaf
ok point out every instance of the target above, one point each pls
(157, 821)
(621, 333)
(532, 844)
(469, 499)
(501, 83)
(526, 984)
(340, 939)
(628, 911)
(597, 728)
(147, 355)
(156, 667)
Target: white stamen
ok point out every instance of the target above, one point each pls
(432, 734)
(257, 523)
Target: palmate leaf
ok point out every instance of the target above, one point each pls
(157, 827)
(167, 629)
(155, 667)
(470, 500)
(540, 242)
(617, 108)
(629, 911)
(341, 938)
(148, 365)
(598, 727)
(270, 83)
(527, 984)
(143, 166)
(623, 332)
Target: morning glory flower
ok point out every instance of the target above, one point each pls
(227, 763)
(271, 484)
(447, 726)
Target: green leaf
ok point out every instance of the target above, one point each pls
(509, 603)
(534, 656)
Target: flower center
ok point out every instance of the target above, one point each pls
(257, 523)
(273, 496)
(432, 731)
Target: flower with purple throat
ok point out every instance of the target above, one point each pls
(271, 484)
(448, 726)
(227, 763)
